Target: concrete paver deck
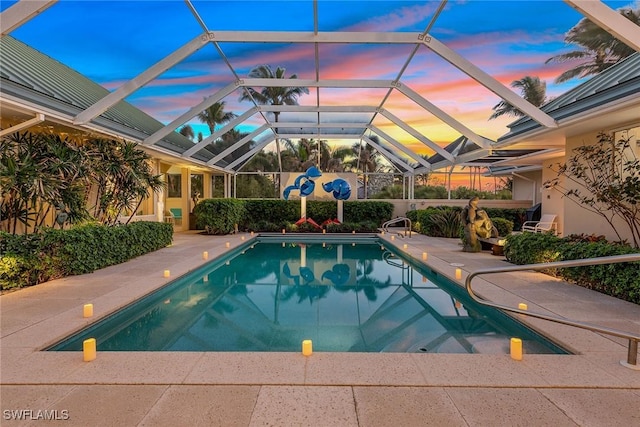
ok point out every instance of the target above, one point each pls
(589, 388)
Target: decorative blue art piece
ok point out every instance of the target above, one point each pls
(340, 188)
(304, 183)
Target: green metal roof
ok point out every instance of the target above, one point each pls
(34, 77)
(617, 82)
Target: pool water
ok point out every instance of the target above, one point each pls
(346, 296)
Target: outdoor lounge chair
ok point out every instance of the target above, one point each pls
(547, 223)
(174, 215)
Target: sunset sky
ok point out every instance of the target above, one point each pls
(111, 42)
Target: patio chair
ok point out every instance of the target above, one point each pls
(547, 223)
(176, 214)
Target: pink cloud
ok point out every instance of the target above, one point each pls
(401, 18)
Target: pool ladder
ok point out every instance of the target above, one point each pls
(405, 220)
(632, 352)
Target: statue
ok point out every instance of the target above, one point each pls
(62, 215)
(477, 224)
(195, 198)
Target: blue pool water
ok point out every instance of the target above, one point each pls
(346, 295)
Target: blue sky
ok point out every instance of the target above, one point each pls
(113, 41)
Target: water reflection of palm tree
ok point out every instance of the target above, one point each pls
(368, 285)
(304, 292)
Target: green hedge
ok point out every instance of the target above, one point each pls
(274, 211)
(504, 226)
(619, 280)
(274, 215)
(515, 215)
(27, 260)
(219, 216)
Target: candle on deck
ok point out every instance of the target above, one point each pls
(307, 348)
(87, 310)
(516, 348)
(89, 349)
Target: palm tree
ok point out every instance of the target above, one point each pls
(187, 131)
(331, 159)
(532, 89)
(273, 95)
(600, 48)
(366, 159)
(215, 115)
(227, 140)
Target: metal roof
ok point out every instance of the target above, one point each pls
(617, 82)
(33, 77)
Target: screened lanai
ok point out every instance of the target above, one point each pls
(414, 81)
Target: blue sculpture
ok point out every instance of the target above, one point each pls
(340, 188)
(304, 183)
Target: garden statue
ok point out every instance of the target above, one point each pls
(477, 224)
(62, 215)
(195, 198)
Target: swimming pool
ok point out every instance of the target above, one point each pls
(347, 295)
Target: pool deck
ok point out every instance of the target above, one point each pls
(589, 388)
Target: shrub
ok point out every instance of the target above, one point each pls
(516, 215)
(27, 260)
(378, 212)
(620, 280)
(532, 248)
(430, 221)
(280, 212)
(504, 226)
(446, 223)
(275, 211)
(321, 211)
(219, 216)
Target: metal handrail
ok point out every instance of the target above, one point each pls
(404, 219)
(632, 353)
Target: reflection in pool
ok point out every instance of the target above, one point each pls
(346, 296)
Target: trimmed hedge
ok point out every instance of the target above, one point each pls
(27, 260)
(504, 226)
(620, 280)
(219, 216)
(274, 215)
(515, 215)
(274, 211)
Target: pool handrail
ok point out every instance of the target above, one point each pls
(632, 353)
(404, 219)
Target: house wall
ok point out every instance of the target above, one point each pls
(527, 186)
(552, 200)
(574, 218)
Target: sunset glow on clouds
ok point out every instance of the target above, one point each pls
(506, 39)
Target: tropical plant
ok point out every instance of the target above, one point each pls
(122, 178)
(273, 95)
(367, 159)
(187, 131)
(532, 89)
(215, 115)
(604, 178)
(600, 49)
(37, 173)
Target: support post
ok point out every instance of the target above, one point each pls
(303, 207)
